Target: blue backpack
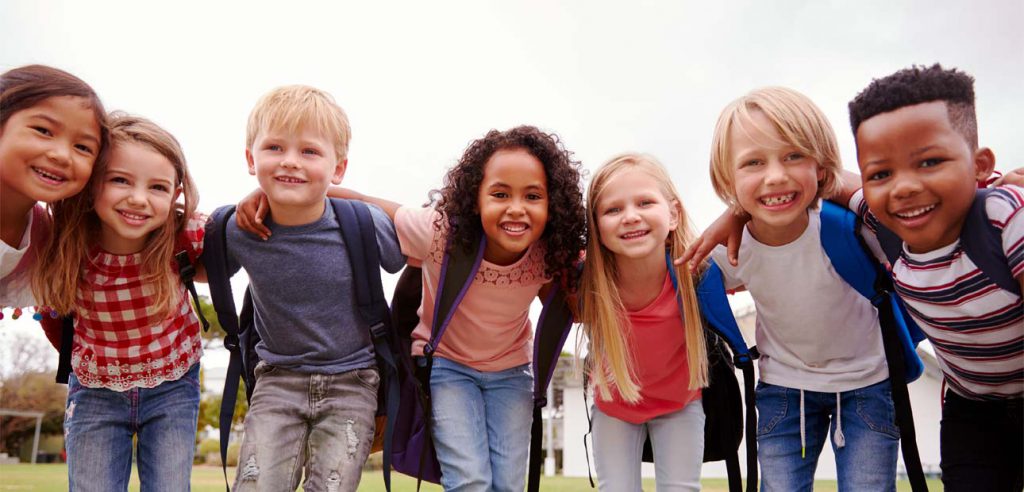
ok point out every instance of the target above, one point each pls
(241, 338)
(900, 335)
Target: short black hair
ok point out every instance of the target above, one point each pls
(917, 85)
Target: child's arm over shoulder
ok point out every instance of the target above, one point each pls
(389, 207)
(1005, 209)
(191, 241)
(726, 230)
(391, 258)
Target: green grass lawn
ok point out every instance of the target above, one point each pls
(53, 478)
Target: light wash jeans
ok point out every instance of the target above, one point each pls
(99, 425)
(867, 461)
(322, 423)
(677, 440)
(481, 426)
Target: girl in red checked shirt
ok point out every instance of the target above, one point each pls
(647, 356)
(135, 358)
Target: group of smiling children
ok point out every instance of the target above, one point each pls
(121, 203)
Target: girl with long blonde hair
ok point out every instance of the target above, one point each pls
(647, 354)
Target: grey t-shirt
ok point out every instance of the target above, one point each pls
(301, 280)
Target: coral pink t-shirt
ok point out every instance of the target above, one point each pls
(490, 331)
(658, 348)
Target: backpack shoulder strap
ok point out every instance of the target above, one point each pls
(714, 306)
(552, 330)
(849, 256)
(982, 243)
(360, 237)
(215, 260)
(458, 269)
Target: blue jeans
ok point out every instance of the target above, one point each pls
(481, 426)
(677, 440)
(866, 462)
(99, 425)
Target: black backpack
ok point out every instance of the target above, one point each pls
(241, 338)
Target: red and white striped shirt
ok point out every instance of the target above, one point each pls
(976, 328)
(119, 342)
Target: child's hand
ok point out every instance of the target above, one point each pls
(250, 212)
(1015, 177)
(727, 230)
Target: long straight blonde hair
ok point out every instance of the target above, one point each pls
(603, 314)
(76, 227)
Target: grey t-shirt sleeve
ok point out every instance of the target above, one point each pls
(391, 258)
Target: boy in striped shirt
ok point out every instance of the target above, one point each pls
(917, 147)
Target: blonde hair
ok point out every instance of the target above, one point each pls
(295, 107)
(603, 313)
(796, 118)
(76, 227)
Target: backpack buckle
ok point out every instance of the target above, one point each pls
(231, 342)
(378, 331)
(186, 269)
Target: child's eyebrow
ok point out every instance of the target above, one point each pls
(922, 150)
(57, 123)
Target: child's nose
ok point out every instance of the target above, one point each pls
(905, 186)
(59, 154)
(775, 172)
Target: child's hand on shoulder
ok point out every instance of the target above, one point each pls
(727, 230)
(1015, 177)
(251, 211)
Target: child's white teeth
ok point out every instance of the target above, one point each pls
(634, 234)
(514, 227)
(48, 175)
(287, 179)
(778, 199)
(910, 214)
(133, 216)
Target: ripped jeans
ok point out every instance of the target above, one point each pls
(318, 423)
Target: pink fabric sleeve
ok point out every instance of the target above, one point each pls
(415, 228)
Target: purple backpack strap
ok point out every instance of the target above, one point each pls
(457, 274)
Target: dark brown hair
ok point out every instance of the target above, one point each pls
(565, 232)
(24, 87)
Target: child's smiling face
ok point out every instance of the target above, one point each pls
(513, 204)
(134, 198)
(774, 181)
(919, 173)
(48, 150)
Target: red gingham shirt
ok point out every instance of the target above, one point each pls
(118, 343)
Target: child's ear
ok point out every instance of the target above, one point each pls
(339, 172)
(984, 164)
(674, 213)
(252, 165)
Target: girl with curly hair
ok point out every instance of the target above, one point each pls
(521, 190)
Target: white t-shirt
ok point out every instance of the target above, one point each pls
(814, 331)
(15, 289)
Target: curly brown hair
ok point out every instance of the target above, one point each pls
(565, 232)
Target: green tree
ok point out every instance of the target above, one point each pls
(26, 383)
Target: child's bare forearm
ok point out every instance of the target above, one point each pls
(388, 206)
(849, 184)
